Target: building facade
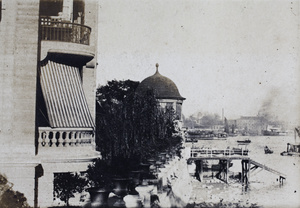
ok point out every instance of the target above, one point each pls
(251, 125)
(47, 100)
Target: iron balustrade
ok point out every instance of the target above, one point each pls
(55, 29)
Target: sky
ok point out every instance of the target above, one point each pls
(238, 55)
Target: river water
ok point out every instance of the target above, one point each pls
(264, 189)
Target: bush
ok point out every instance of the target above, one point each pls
(67, 184)
(10, 198)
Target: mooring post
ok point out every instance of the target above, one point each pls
(201, 171)
(242, 176)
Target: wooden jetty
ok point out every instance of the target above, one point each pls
(225, 156)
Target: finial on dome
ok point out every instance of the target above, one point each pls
(157, 65)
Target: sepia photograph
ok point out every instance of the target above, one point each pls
(150, 103)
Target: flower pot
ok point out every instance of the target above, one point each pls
(136, 177)
(133, 200)
(152, 169)
(145, 167)
(145, 170)
(99, 196)
(163, 157)
(144, 191)
(121, 190)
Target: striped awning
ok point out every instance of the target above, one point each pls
(64, 96)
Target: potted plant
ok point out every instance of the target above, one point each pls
(99, 182)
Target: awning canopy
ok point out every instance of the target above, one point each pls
(64, 96)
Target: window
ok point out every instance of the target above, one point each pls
(178, 110)
(51, 7)
(78, 11)
(169, 105)
(72, 10)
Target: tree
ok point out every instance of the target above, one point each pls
(130, 126)
(67, 184)
(114, 113)
(10, 198)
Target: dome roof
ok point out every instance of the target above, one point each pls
(163, 87)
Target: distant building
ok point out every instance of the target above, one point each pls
(166, 91)
(47, 99)
(253, 125)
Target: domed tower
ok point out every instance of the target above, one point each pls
(165, 91)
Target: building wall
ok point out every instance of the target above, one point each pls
(19, 56)
(18, 67)
(89, 72)
(252, 125)
(45, 188)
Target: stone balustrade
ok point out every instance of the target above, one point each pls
(65, 137)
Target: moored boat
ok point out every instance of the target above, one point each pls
(200, 134)
(293, 149)
(270, 133)
(246, 141)
(268, 150)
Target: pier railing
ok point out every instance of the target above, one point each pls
(196, 153)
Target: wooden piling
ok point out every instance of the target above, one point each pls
(245, 171)
(201, 170)
(248, 170)
(227, 168)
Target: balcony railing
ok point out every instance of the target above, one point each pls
(55, 29)
(65, 137)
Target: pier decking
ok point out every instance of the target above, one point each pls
(225, 156)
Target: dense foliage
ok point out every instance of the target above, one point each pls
(131, 126)
(98, 174)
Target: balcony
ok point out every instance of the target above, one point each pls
(55, 29)
(65, 42)
(65, 137)
(56, 144)
(66, 144)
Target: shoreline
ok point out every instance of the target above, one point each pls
(215, 193)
